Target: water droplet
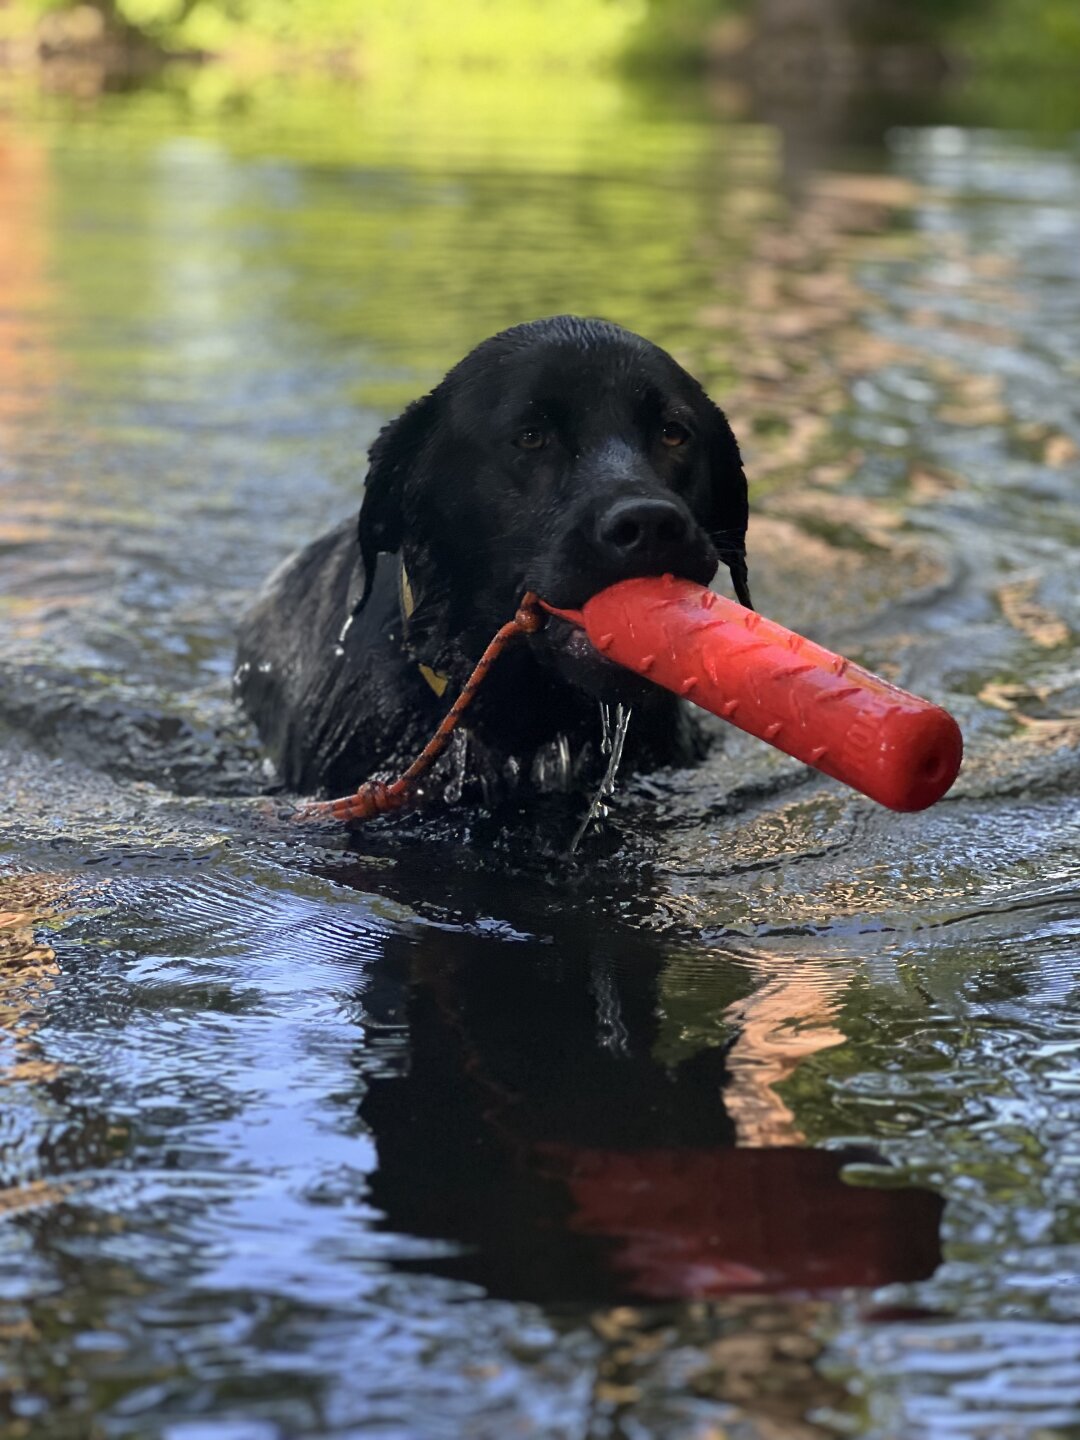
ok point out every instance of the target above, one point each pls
(615, 740)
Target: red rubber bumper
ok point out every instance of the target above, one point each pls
(896, 748)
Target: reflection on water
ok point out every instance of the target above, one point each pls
(438, 1136)
(533, 1123)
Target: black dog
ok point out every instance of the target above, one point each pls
(559, 456)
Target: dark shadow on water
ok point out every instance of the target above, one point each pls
(529, 1123)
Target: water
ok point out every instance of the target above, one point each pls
(612, 742)
(434, 1134)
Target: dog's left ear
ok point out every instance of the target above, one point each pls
(395, 453)
(728, 507)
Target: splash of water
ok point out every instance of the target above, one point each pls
(612, 744)
(553, 765)
(459, 760)
(605, 728)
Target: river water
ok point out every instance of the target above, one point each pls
(756, 1118)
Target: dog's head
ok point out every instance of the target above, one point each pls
(559, 456)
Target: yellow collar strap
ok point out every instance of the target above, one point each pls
(437, 682)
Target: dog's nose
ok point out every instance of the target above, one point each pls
(643, 531)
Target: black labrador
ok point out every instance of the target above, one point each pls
(559, 456)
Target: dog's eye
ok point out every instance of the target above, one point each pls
(674, 434)
(530, 439)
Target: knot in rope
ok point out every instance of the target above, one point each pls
(529, 618)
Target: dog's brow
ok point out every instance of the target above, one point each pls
(664, 402)
(533, 409)
(549, 405)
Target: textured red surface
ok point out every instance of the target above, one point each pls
(896, 748)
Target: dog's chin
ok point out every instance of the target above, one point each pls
(568, 650)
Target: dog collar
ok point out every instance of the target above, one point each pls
(437, 681)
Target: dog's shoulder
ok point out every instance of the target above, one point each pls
(327, 686)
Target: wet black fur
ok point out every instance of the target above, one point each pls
(478, 517)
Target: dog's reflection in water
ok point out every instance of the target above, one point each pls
(529, 1122)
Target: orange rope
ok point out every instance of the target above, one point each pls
(375, 798)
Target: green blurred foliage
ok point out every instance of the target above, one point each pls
(999, 35)
(992, 34)
(526, 32)
(1021, 35)
(675, 34)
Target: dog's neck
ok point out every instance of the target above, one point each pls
(436, 679)
(524, 705)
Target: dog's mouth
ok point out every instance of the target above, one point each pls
(565, 646)
(567, 649)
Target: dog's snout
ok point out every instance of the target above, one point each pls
(642, 529)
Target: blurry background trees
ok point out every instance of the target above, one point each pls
(1002, 35)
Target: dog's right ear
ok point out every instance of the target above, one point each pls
(393, 456)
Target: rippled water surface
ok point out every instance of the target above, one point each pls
(759, 1117)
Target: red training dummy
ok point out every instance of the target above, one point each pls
(828, 712)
